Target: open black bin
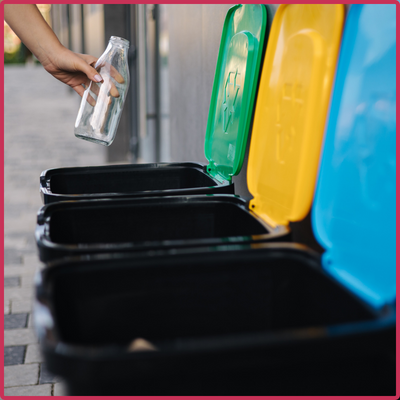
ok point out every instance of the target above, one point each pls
(234, 320)
(229, 119)
(128, 225)
(119, 181)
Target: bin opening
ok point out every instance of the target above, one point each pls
(129, 181)
(115, 304)
(122, 224)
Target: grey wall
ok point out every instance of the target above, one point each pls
(194, 36)
(115, 24)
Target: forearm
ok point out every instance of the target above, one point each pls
(70, 68)
(29, 25)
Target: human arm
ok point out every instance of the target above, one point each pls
(70, 68)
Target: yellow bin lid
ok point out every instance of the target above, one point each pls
(291, 110)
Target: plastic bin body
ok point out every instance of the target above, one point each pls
(229, 119)
(243, 321)
(130, 225)
(72, 228)
(135, 180)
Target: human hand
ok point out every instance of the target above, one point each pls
(77, 71)
(71, 68)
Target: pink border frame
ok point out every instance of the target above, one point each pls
(2, 197)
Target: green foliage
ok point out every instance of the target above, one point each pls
(16, 57)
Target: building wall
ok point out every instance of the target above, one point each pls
(67, 24)
(94, 29)
(116, 24)
(194, 35)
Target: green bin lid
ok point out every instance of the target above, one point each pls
(234, 89)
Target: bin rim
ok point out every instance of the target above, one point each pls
(383, 318)
(49, 249)
(48, 196)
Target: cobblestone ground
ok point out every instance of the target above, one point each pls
(39, 115)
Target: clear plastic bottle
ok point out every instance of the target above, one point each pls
(102, 103)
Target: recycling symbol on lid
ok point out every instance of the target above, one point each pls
(231, 92)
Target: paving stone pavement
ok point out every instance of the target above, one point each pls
(39, 116)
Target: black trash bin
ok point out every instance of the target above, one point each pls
(231, 110)
(133, 180)
(129, 225)
(233, 320)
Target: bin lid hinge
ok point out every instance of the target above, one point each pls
(218, 173)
